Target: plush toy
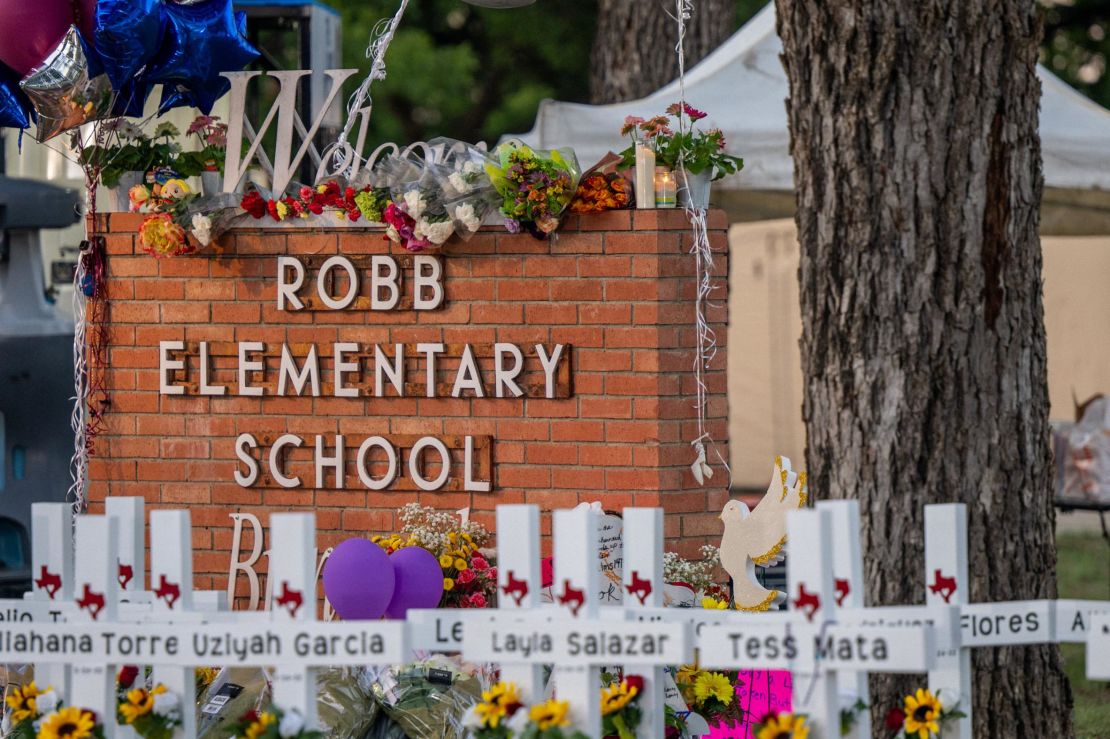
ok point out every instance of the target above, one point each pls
(174, 190)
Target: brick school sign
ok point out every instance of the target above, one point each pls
(328, 370)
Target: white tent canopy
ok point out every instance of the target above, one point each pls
(743, 87)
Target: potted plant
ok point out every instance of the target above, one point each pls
(126, 154)
(208, 161)
(697, 157)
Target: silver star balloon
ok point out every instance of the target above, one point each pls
(63, 92)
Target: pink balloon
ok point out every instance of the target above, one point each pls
(29, 30)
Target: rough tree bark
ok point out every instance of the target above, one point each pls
(633, 52)
(918, 175)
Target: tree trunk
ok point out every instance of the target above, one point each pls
(634, 48)
(918, 177)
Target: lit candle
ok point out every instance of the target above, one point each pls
(666, 188)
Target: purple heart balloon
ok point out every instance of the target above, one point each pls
(359, 580)
(419, 581)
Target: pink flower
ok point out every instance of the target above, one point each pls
(694, 113)
(477, 600)
(465, 576)
(630, 123)
(199, 123)
(479, 563)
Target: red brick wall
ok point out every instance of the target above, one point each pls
(619, 287)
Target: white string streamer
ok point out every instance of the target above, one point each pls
(79, 462)
(703, 258)
(346, 160)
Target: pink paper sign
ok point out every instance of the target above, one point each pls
(758, 692)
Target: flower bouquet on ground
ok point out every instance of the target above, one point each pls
(922, 716)
(469, 577)
(273, 723)
(428, 697)
(698, 151)
(535, 186)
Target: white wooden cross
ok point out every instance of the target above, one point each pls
(52, 574)
(96, 595)
(128, 513)
(642, 576)
(293, 573)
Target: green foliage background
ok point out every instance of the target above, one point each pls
(477, 73)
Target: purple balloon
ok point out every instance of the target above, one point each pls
(419, 581)
(359, 580)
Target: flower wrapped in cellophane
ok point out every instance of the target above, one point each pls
(536, 186)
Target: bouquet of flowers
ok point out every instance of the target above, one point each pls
(599, 192)
(427, 697)
(127, 149)
(501, 715)
(697, 151)
(469, 577)
(535, 186)
(698, 574)
(273, 724)
(712, 695)
(153, 714)
(620, 711)
(39, 714)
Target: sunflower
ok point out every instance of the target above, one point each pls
(68, 723)
(23, 702)
(490, 713)
(713, 604)
(139, 702)
(922, 711)
(784, 726)
(259, 726)
(550, 715)
(616, 696)
(713, 685)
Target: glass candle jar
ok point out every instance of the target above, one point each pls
(666, 188)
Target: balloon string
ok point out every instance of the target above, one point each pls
(703, 255)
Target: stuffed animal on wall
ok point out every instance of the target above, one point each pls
(757, 537)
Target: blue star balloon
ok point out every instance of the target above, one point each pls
(128, 34)
(14, 105)
(202, 39)
(131, 98)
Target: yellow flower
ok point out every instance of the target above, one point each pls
(67, 723)
(448, 584)
(139, 702)
(496, 703)
(22, 701)
(784, 726)
(281, 209)
(160, 236)
(714, 604)
(713, 685)
(922, 711)
(258, 728)
(616, 696)
(445, 561)
(550, 715)
(460, 564)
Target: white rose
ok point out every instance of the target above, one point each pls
(518, 722)
(465, 213)
(47, 702)
(292, 723)
(471, 719)
(437, 233)
(459, 183)
(472, 168)
(167, 704)
(202, 228)
(414, 204)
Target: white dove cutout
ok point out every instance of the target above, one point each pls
(757, 537)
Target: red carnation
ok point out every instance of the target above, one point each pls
(895, 719)
(479, 563)
(477, 600)
(254, 204)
